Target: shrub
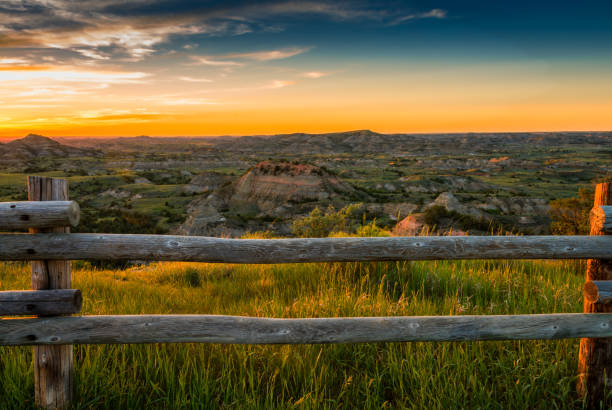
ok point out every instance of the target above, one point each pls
(570, 216)
(372, 230)
(192, 277)
(319, 225)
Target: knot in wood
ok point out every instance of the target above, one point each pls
(43, 360)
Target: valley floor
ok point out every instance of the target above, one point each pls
(509, 374)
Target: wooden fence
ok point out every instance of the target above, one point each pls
(50, 247)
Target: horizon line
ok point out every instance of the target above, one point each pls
(12, 138)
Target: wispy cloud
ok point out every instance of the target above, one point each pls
(270, 85)
(315, 74)
(92, 54)
(18, 74)
(190, 101)
(434, 13)
(270, 54)
(207, 60)
(48, 87)
(194, 80)
(109, 114)
(240, 59)
(12, 61)
(275, 84)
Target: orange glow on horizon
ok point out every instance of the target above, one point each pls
(82, 101)
(484, 119)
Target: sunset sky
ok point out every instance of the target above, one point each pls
(104, 68)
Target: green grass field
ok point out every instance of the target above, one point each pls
(510, 374)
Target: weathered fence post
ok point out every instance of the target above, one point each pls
(53, 368)
(595, 362)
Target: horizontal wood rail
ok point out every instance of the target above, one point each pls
(38, 214)
(40, 302)
(250, 330)
(598, 291)
(204, 249)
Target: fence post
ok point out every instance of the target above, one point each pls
(595, 360)
(53, 367)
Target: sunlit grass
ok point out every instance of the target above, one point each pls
(515, 374)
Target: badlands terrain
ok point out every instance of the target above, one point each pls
(230, 186)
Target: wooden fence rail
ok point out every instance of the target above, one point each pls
(204, 249)
(50, 247)
(255, 330)
(41, 302)
(38, 214)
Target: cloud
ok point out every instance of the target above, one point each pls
(337, 10)
(115, 29)
(270, 54)
(92, 54)
(206, 60)
(50, 86)
(109, 114)
(271, 85)
(62, 75)
(60, 24)
(13, 61)
(434, 13)
(275, 84)
(195, 80)
(189, 101)
(134, 41)
(315, 74)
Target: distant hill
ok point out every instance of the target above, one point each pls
(18, 153)
(357, 141)
(367, 141)
(350, 141)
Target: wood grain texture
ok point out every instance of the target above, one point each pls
(598, 291)
(601, 219)
(31, 214)
(595, 359)
(254, 330)
(40, 302)
(205, 249)
(53, 366)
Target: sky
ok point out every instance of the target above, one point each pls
(196, 68)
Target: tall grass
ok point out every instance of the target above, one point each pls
(507, 374)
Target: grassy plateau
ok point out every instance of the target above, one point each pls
(507, 374)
